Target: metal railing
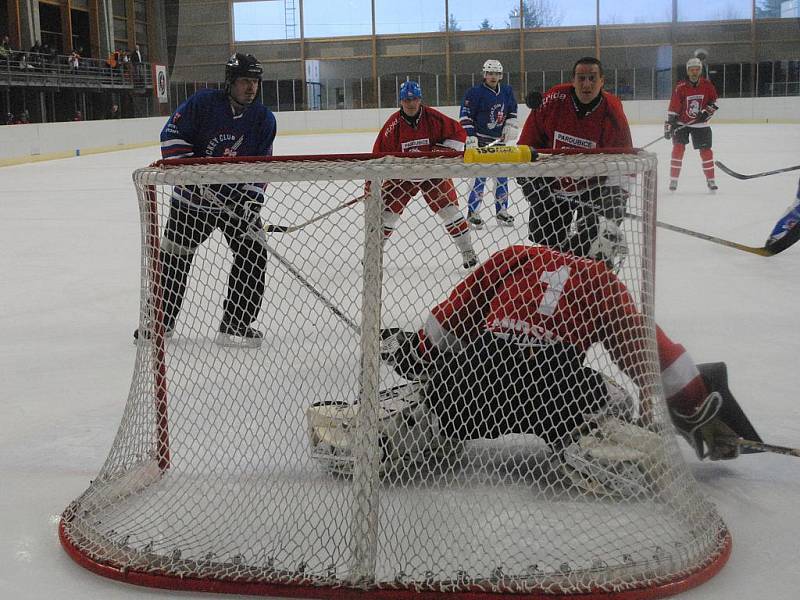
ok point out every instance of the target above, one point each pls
(732, 80)
(47, 70)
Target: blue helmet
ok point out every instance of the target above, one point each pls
(410, 89)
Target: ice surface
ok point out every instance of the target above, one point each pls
(69, 302)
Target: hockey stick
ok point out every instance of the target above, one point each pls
(762, 447)
(759, 250)
(292, 228)
(257, 235)
(661, 137)
(733, 173)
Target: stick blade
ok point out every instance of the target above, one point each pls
(730, 172)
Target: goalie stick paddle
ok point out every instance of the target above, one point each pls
(762, 447)
(733, 173)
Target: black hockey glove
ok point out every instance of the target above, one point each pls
(400, 349)
(670, 125)
(533, 100)
(609, 201)
(706, 113)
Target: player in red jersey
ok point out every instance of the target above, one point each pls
(691, 106)
(420, 128)
(505, 352)
(573, 115)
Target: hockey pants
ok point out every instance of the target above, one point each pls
(185, 231)
(495, 387)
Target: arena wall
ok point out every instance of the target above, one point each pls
(46, 141)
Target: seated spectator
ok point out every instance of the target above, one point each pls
(114, 113)
(35, 58)
(10, 119)
(24, 65)
(78, 116)
(23, 118)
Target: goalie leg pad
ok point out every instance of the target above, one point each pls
(616, 459)
(408, 433)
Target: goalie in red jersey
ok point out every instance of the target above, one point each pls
(691, 106)
(579, 115)
(505, 353)
(420, 128)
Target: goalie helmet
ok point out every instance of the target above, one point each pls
(493, 66)
(601, 239)
(242, 65)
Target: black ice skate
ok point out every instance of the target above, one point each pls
(244, 336)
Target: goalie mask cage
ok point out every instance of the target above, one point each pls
(220, 480)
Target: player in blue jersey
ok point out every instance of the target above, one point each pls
(219, 123)
(489, 114)
(787, 230)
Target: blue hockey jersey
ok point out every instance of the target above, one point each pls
(485, 111)
(205, 126)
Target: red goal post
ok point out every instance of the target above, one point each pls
(306, 466)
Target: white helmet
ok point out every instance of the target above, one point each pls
(609, 244)
(693, 62)
(493, 66)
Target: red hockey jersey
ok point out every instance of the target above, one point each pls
(432, 129)
(536, 296)
(556, 123)
(688, 99)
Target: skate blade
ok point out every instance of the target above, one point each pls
(235, 341)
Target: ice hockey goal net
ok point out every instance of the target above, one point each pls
(304, 465)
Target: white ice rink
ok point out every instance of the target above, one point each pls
(69, 302)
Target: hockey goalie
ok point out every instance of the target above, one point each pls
(505, 353)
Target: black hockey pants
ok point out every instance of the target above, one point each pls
(185, 231)
(495, 387)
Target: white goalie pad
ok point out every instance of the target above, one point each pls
(616, 458)
(408, 431)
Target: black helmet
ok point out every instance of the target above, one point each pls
(242, 65)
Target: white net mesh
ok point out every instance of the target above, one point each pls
(497, 446)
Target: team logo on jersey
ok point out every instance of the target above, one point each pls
(414, 145)
(496, 117)
(694, 105)
(224, 144)
(565, 140)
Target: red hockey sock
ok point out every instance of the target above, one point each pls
(707, 158)
(677, 160)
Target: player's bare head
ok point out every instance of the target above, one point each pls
(243, 78)
(492, 71)
(410, 97)
(694, 68)
(587, 78)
